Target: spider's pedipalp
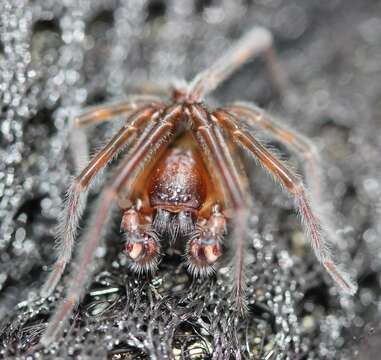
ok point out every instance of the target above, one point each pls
(146, 146)
(143, 251)
(257, 41)
(204, 246)
(213, 145)
(310, 218)
(72, 211)
(142, 243)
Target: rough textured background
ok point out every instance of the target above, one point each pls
(58, 56)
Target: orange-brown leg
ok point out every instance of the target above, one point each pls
(301, 146)
(320, 242)
(106, 112)
(76, 196)
(212, 143)
(144, 149)
(257, 41)
(79, 148)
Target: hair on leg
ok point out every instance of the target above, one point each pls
(211, 143)
(64, 309)
(146, 146)
(300, 146)
(76, 197)
(319, 240)
(253, 116)
(256, 41)
(79, 149)
(105, 112)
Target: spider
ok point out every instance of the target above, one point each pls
(180, 179)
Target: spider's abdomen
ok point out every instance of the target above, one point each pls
(178, 182)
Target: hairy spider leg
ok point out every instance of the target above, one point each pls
(215, 149)
(79, 148)
(148, 88)
(255, 42)
(297, 143)
(300, 146)
(76, 196)
(105, 112)
(145, 147)
(295, 187)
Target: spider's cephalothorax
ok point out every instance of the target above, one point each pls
(180, 176)
(179, 205)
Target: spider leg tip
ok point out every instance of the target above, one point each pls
(45, 341)
(240, 305)
(77, 122)
(45, 291)
(350, 288)
(48, 287)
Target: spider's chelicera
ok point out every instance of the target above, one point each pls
(180, 179)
